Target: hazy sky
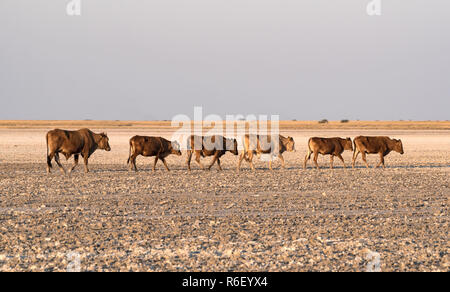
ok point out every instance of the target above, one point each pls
(301, 59)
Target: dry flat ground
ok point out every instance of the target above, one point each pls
(286, 220)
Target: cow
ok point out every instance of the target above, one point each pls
(328, 146)
(375, 145)
(215, 146)
(83, 142)
(257, 144)
(151, 146)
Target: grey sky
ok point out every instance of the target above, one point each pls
(145, 60)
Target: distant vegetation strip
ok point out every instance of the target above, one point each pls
(284, 125)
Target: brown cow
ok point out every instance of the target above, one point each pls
(373, 145)
(69, 143)
(215, 146)
(328, 146)
(256, 144)
(151, 146)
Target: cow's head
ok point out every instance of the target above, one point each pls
(232, 146)
(289, 144)
(398, 147)
(104, 142)
(348, 144)
(175, 149)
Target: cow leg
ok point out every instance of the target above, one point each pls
(216, 156)
(63, 170)
(316, 156)
(165, 163)
(364, 158)
(283, 164)
(218, 164)
(331, 161)
(355, 155)
(86, 168)
(133, 162)
(75, 162)
(381, 161)
(197, 159)
(307, 157)
(240, 161)
(250, 159)
(49, 161)
(342, 159)
(154, 164)
(188, 160)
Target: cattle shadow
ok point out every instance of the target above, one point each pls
(419, 166)
(403, 166)
(300, 168)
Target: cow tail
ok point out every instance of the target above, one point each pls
(129, 153)
(49, 162)
(354, 147)
(308, 154)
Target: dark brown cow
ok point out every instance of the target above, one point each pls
(215, 146)
(69, 143)
(328, 146)
(151, 146)
(256, 144)
(376, 145)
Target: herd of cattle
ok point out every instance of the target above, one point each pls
(84, 142)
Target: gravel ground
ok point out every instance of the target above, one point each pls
(286, 220)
